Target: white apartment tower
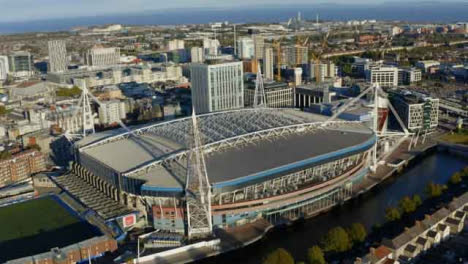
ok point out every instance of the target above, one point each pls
(175, 44)
(111, 112)
(268, 59)
(245, 48)
(197, 54)
(211, 46)
(4, 68)
(103, 56)
(217, 87)
(57, 56)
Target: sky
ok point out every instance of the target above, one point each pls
(25, 10)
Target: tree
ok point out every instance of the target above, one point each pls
(347, 70)
(279, 256)
(417, 200)
(407, 205)
(5, 155)
(315, 255)
(357, 232)
(392, 214)
(434, 190)
(3, 110)
(34, 146)
(68, 92)
(336, 240)
(456, 178)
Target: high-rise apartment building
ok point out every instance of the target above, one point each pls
(325, 70)
(111, 112)
(57, 56)
(245, 48)
(294, 55)
(385, 76)
(197, 54)
(4, 68)
(211, 46)
(20, 64)
(175, 44)
(319, 73)
(217, 87)
(99, 56)
(259, 46)
(268, 60)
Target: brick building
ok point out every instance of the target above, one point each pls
(93, 247)
(21, 166)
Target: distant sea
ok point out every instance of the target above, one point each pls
(444, 12)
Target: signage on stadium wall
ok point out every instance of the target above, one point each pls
(129, 220)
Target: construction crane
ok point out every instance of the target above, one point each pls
(317, 56)
(277, 47)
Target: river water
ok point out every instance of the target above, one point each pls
(368, 210)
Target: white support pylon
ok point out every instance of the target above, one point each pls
(259, 95)
(197, 189)
(84, 103)
(377, 91)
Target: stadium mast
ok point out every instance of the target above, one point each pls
(84, 103)
(197, 190)
(259, 95)
(384, 137)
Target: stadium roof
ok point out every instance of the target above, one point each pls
(281, 155)
(268, 150)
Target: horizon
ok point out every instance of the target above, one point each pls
(16, 11)
(415, 12)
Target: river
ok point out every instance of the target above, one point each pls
(368, 210)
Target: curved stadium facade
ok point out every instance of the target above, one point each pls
(280, 164)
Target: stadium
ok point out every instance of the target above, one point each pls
(279, 164)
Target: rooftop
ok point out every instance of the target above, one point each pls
(279, 154)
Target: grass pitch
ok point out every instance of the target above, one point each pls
(36, 226)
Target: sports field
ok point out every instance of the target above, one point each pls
(36, 226)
